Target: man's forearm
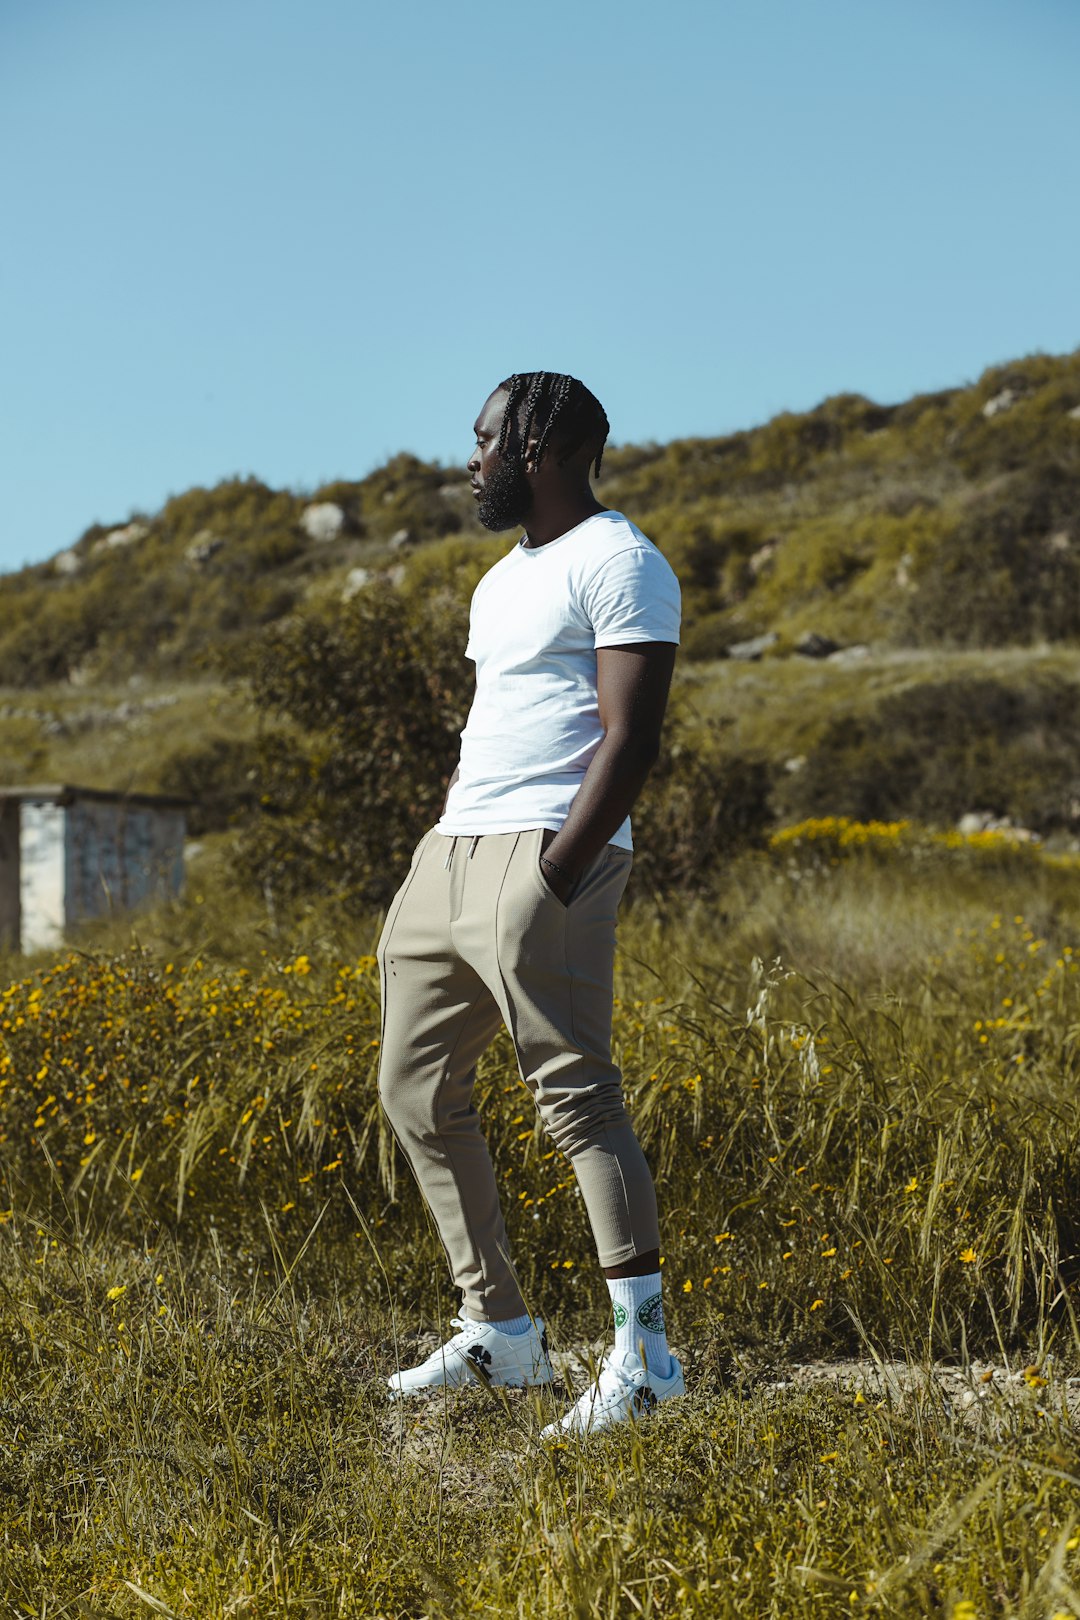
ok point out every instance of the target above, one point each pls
(611, 785)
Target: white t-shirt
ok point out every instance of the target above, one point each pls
(536, 620)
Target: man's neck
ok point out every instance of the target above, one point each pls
(553, 523)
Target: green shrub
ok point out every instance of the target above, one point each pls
(45, 633)
(407, 493)
(1009, 572)
(701, 804)
(451, 570)
(374, 700)
(934, 751)
(710, 637)
(219, 776)
(23, 753)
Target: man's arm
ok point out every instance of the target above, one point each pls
(632, 686)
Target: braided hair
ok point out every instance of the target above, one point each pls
(558, 407)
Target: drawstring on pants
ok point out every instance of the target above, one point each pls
(450, 851)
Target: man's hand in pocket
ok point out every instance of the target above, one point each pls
(562, 887)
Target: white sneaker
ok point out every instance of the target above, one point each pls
(623, 1390)
(479, 1352)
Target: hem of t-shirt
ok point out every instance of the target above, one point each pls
(612, 638)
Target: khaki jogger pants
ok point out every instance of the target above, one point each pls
(474, 938)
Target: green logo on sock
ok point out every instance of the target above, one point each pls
(621, 1314)
(650, 1314)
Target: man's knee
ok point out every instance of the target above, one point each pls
(580, 1122)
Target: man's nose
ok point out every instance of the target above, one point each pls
(473, 463)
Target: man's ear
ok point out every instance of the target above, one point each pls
(529, 461)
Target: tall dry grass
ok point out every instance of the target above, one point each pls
(857, 1086)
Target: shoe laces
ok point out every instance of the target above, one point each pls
(614, 1379)
(469, 1328)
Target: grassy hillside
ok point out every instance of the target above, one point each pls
(926, 732)
(936, 542)
(947, 520)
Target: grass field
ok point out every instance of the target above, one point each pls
(854, 1071)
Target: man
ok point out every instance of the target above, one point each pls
(508, 912)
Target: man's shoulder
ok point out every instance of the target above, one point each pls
(608, 534)
(611, 536)
(615, 528)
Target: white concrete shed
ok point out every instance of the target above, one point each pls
(70, 853)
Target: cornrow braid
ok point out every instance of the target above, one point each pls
(558, 407)
(532, 405)
(515, 387)
(559, 396)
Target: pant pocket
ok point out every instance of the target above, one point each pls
(587, 877)
(534, 849)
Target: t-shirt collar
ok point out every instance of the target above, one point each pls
(592, 518)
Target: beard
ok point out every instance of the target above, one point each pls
(507, 498)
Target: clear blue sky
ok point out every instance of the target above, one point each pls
(290, 239)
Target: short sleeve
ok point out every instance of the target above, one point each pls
(633, 596)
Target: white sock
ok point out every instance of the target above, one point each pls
(515, 1326)
(638, 1307)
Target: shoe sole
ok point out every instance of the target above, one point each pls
(483, 1378)
(557, 1431)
